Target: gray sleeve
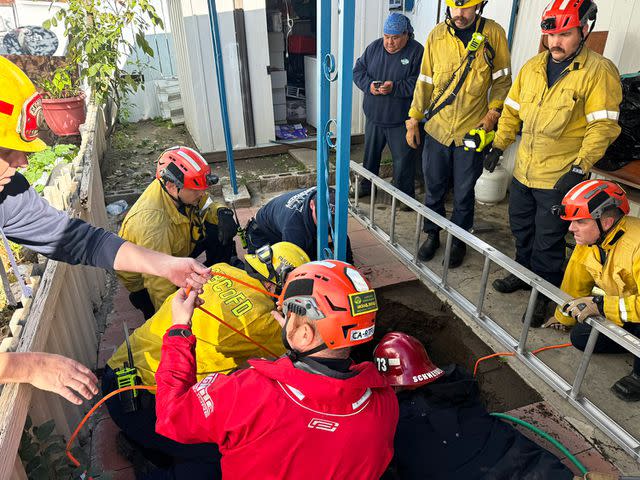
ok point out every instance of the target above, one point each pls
(29, 220)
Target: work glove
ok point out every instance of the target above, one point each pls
(490, 120)
(227, 226)
(492, 158)
(413, 132)
(582, 308)
(569, 180)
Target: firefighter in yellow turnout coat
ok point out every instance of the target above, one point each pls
(219, 349)
(464, 78)
(172, 216)
(604, 270)
(566, 100)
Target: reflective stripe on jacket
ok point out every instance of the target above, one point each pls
(443, 54)
(619, 277)
(219, 348)
(154, 222)
(573, 122)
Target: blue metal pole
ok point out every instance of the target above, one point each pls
(343, 154)
(222, 92)
(323, 109)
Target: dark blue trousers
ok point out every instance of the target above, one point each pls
(179, 461)
(540, 244)
(442, 164)
(580, 335)
(404, 157)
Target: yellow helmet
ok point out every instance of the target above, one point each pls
(20, 110)
(463, 3)
(273, 263)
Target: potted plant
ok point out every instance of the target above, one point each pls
(100, 37)
(63, 103)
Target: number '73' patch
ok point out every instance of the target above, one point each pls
(363, 302)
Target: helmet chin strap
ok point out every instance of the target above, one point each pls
(603, 232)
(180, 204)
(582, 42)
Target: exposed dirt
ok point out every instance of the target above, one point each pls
(130, 162)
(413, 309)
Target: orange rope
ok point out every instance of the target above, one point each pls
(482, 359)
(223, 275)
(551, 347)
(238, 332)
(510, 354)
(91, 412)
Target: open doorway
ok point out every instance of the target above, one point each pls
(291, 26)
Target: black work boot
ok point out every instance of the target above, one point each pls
(458, 251)
(429, 247)
(540, 312)
(627, 388)
(510, 284)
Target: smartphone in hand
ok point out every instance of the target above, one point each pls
(377, 84)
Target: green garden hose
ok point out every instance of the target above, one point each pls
(546, 436)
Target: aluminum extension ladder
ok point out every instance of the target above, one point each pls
(601, 326)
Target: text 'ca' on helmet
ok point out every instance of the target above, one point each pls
(562, 15)
(336, 297)
(274, 262)
(403, 361)
(590, 199)
(20, 110)
(186, 168)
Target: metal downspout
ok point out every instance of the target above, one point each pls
(512, 22)
(222, 91)
(245, 78)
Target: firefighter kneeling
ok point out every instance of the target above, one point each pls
(220, 350)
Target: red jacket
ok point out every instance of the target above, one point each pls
(274, 421)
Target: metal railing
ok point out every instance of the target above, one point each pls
(570, 392)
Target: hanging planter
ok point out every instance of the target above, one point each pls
(64, 115)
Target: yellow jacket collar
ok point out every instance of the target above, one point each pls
(169, 205)
(576, 64)
(614, 234)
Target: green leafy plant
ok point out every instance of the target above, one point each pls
(43, 453)
(42, 163)
(61, 84)
(99, 32)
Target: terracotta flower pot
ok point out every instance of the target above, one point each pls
(64, 115)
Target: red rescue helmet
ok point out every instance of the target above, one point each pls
(337, 297)
(403, 360)
(590, 199)
(185, 168)
(563, 15)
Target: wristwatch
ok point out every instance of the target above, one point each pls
(180, 332)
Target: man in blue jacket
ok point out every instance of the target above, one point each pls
(290, 217)
(387, 73)
(26, 218)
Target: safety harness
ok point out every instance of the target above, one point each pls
(473, 46)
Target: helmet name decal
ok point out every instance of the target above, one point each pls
(427, 376)
(363, 302)
(362, 334)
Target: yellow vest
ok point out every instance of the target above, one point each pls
(619, 277)
(154, 222)
(443, 54)
(218, 348)
(573, 122)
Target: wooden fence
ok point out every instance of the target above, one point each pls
(60, 318)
